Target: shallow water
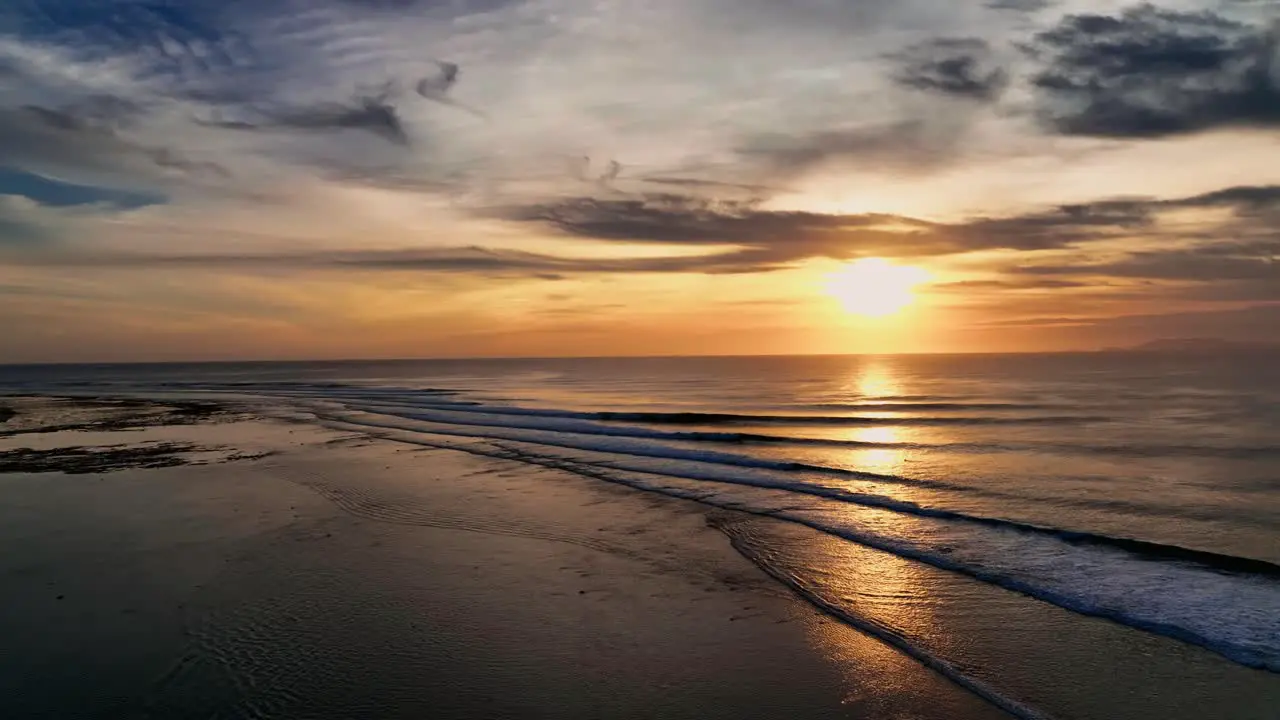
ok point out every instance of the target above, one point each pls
(1138, 491)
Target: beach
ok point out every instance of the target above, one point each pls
(217, 562)
(1067, 537)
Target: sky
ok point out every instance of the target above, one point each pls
(288, 179)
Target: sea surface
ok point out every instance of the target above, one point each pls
(1068, 535)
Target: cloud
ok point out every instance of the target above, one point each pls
(772, 239)
(958, 67)
(1262, 201)
(1234, 258)
(1151, 72)
(436, 8)
(1190, 265)
(20, 225)
(81, 144)
(909, 145)
(473, 261)
(1065, 226)
(788, 236)
(696, 183)
(373, 110)
(290, 88)
(965, 287)
(436, 86)
(1022, 6)
(114, 93)
(1233, 237)
(367, 114)
(1248, 324)
(166, 158)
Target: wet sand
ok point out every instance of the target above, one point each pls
(271, 569)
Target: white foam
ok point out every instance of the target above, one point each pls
(1237, 616)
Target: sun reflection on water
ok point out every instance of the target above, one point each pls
(868, 586)
(883, 460)
(875, 378)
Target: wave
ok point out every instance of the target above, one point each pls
(1214, 601)
(699, 418)
(629, 445)
(592, 427)
(562, 423)
(583, 427)
(1149, 549)
(942, 666)
(451, 399)
(928, 405)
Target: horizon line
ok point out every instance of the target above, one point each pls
(462, 358)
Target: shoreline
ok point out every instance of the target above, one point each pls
(549, 594)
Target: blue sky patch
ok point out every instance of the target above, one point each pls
(63, 194)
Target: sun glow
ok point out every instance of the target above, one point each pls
(874, 287)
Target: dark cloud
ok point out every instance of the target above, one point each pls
(1186, 265)
(373, 110)
(446, 8)
(957, 67)
(1065, 226)
(792, 235)
(167, 158)
(773, 235)
(1235, 259)
(105, 110)
(1025, 6)
(1030, 283)
(436, 87)
(697, 183)
(772, 239)
(1151, 72)
(58, 119)
(1257, 202)
(367, 114)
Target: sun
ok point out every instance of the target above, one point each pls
(875, 287)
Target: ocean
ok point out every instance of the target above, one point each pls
(1066, 535)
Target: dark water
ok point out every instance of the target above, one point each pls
(1126, 498)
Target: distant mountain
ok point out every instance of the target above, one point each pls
(1200, 345)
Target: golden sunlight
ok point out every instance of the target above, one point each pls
(875, 287)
